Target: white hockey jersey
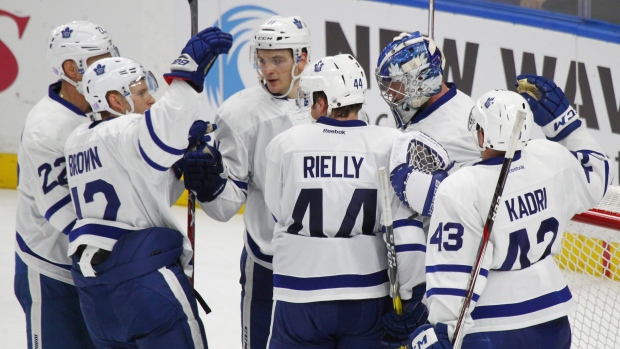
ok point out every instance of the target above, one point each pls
(446, 122)
(45, 215)
(323, 189)
(246, 123)
(119, 171)
(520, 284)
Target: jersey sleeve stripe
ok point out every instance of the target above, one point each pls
(330, 282)
(449, 292)
(522, 308)
(149, 161)
(104, 231)
(158, 142)
(22, 246)
(407, 223)
(57, 206)
(454, 268)
(410, 248)
(256, 250)
(69, 227)
(241, 185)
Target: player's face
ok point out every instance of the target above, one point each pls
(142, 99)
(276, 67)
(396, 91)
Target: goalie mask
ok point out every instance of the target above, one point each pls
(77, 41)
(495, 113)
(340, 77)
(281, 33)
(409, 72)
(114, 74)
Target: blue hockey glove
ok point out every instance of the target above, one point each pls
(203, 172)
(198, 134)
(198, 56)
(177, 168)
(550, 107)
(427, 337)
(397, 328)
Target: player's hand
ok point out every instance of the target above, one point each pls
(397, 328)
(427, 337)
(198, 56)
(204, 172)
(198, 134)
(550, 107)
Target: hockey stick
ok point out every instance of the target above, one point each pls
(191, 197)
(457, 340)
(431, 19)
(388, 223)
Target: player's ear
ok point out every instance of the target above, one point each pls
(115, 100)
(70, 69)
(302, 63)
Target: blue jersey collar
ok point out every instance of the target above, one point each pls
(340, 123)
(423, 114)
(53, 93)
(498, 160)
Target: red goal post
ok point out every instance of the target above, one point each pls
(590, 260)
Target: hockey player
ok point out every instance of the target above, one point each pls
(521, 299)
(410, 76)
(43, 283)
(130, 256)
(330, 262)
(247, 122)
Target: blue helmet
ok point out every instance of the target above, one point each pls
(409, 72)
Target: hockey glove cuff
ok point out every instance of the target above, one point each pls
(427, 337)
(549, 104)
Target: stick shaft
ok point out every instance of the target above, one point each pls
(457, 339)
(191, 198)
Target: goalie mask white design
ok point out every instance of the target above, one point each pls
(496, 112)
(280, 33)
(409, 72)
(340, 77)
(114, 74)
(77, 41)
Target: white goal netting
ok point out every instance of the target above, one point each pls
(590, 259)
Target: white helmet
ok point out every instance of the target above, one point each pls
(409, 72)
(279, 33)
(114, 74)
(77, 41)
(340, 77)
(496, 113)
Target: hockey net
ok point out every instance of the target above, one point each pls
(590, 260)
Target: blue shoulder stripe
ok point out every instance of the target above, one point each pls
(57, 206)
(330, 282)
(160, 144)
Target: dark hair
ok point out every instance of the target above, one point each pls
(341, 112)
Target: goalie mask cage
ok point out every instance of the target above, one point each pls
(590, 261)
